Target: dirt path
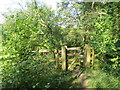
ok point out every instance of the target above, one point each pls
(80, 82)
(83, 80)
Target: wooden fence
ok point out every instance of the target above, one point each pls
(86, 52)
(79, 54)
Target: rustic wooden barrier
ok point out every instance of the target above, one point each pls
(86, 53)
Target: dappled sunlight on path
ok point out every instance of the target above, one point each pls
(80, 82)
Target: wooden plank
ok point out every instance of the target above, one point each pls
(74, 48)
(81, 54)
(77, 63)
(64, 58)
(75, 54)
(71, 64)
(43, 50)
(71, 59)
(70, 54)
(74, 63)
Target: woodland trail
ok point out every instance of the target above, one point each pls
(81, 81)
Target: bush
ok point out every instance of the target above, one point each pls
(39, 73)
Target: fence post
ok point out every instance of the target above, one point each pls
(87, 56)
(64, 58)
(56, 58)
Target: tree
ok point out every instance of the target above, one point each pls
(30, 30)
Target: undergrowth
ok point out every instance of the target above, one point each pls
(39, 73)
(103, 78)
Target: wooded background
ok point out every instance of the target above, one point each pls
(73, 24)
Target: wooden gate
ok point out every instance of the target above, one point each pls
(71, 57)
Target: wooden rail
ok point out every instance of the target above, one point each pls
(43, 51)
(75, 54)
(74, 48)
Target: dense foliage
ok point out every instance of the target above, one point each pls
(74, 24)
(97, 26)
(37, 73)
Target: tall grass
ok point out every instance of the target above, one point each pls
(101, 79)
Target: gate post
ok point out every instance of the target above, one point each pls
(64, 58)
(87, 56)
(56, 58)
